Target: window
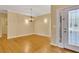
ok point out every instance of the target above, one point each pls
(73, 27)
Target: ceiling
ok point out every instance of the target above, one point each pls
(37, 10)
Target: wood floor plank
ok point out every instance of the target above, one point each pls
(30, 44)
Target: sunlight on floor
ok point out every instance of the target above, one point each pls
(27, 47)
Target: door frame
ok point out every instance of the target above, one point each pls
(61, 44)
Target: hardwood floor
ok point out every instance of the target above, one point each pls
(30, 44)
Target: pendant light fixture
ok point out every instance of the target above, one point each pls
(31, 17)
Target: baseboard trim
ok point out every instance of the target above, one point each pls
(43, 35)
(53, 44)
(56, 45)
(28, 35)
(20, 36)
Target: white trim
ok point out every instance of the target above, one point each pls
(43, 35)
(53, 44)
(10, 37)
(56, 44)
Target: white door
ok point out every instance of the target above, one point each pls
(70, 28)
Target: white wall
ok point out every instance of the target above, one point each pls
(42, 28)
(17, 26)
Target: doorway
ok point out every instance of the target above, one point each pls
(69, 28)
